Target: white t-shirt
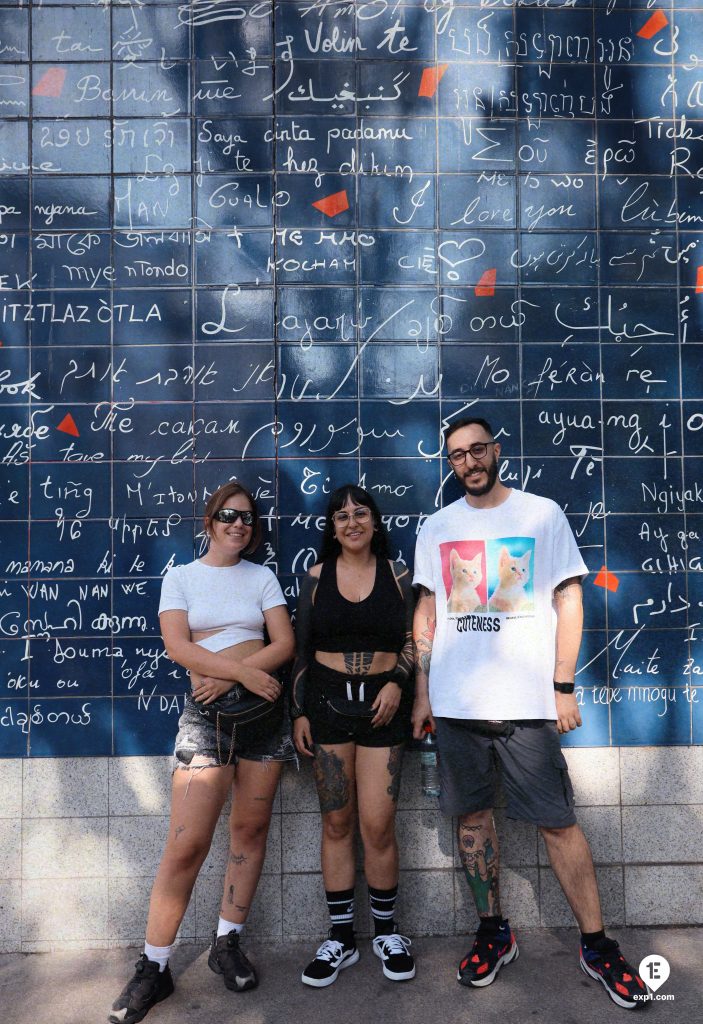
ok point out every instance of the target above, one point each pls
(493, 572)
(232, 598)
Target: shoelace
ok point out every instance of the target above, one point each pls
(329, 950)
(393, 944)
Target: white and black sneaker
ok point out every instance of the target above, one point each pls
(393, 950)
(149, 986)
(331, 958)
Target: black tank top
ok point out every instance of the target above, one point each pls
(375, 624)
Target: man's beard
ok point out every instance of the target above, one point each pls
(478, 489)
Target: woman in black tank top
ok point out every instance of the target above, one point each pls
(351, 709)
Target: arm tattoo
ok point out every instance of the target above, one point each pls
(395, 763)
(331, 780)
(568, 590)
(423, 646)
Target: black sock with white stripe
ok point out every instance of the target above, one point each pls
(383, 908)
(341, 908)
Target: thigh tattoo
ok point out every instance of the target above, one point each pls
(395, 763)
(331, 780)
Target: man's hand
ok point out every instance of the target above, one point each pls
(568, 714)
(421, 713)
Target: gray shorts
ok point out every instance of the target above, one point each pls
(534, 771)
(197, 738)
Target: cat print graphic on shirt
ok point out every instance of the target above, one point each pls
(513, 577)
(466, 574)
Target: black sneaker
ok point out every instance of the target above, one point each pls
(606, 964)
(147, 988)
(331, 958)
(393, 950)
(486, 957)
(227, 959)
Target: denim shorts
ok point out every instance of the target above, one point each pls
(197, 737)
(534, 771)
(328, 690)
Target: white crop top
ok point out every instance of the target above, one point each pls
(231, 598)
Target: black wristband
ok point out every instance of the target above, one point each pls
(296, 712)
(564, 687)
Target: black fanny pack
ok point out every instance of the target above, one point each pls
(356, 701)
(483, 727)
(240, 718)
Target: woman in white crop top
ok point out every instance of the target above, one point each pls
(212, 616)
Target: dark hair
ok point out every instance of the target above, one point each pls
(330, 546)
(217, 500)
(468, 421)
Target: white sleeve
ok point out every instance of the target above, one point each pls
(173, 596)
(422, 576)
(566, 557)
(271, 593)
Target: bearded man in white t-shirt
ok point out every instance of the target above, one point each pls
(497, 632)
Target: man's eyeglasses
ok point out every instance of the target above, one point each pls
(231, 515)
(476, 451)
(359, 515)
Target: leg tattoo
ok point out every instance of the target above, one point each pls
(481, 869)
(331, 780)
(395, 763)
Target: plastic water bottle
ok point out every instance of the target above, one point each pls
(429, 769)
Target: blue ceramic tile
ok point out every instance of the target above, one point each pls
(563, 91)
(693, 435)
(557, 201)
(234, 430)
(150, 489)
(230, 89)
(143, 146)
(142, 667)
(392, 430)
(15, 194)
(73, 375)
(69, 550)
(146, 724)
(14, 727)
(16, 675)
(398, 33)
(135, 607)
(244, 257)
(149, 33)
(234, 144)
(468, 201)
(150, 90)
(148, 549)
(469, 36)
(72, 146)
(550, 314)
(654, 428)
(477, 371)
(570, 258)
(15, 34)
(618, 40)
(306, 315)
(306, 429)
(245, 33)
(327, 256)
(557, 147)
(306, 483)
(79, 204)
(14, 259)
(464, 257)
(486, 91)
(145, 258)
(71, 667)
(234, 314)
(14, 93)
(70, 727)
(156, 202)
(488, 318)
(622, 95)
(631, 371)
(297, 195)
(14, 486)
(154, 317)
(317, 373)
(17, 388)
(647, 544)
(224, 201)
(236, 374)
(401, 486)
(564, 372)
(77, 35)
(474, 144)
(644, 491)
(595, 725)
(652, 716)
(71, 90)
(70, 260)
(399, 372)
(60, 492)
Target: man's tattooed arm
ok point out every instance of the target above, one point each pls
(568, 604)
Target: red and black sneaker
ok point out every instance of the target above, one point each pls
(487, 955)
(606, 964)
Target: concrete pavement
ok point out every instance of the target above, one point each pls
(544, 984)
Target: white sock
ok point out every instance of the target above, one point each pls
(225, 927)
(159, 954)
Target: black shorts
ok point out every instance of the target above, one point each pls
(534, 770)
(339, 709)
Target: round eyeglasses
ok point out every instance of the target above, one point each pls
(359, 515)
(476, 451)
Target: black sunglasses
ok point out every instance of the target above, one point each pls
(231, 515)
